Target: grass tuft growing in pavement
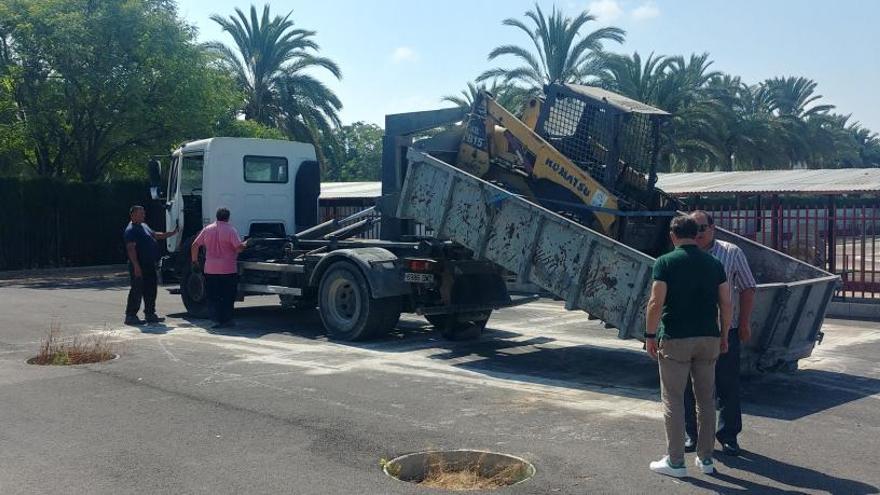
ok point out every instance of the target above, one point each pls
(471, 476)
(57, 350)
(458, 476)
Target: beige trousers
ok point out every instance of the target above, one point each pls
(677, 359)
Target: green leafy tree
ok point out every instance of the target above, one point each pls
(12, 133)
(356, 153)
(270, 64)
(560, 51)
(89, 94)
(230, 126)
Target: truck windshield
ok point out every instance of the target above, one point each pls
(191, 174)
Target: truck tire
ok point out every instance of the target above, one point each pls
(194, 293)
(346, 307)
(452, 328)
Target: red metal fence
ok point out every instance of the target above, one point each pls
(836, 234)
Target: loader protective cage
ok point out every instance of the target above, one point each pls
(602, 132)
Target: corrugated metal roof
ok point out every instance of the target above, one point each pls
(338, 190)
(818, 181)
(617, 101)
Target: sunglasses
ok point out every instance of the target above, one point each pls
(704, 227)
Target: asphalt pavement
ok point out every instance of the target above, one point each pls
(273, 406)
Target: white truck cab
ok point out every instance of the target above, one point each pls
(271, 188)
(360, 286)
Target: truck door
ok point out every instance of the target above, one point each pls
(191, 167)
(185, 197)
(173, 205)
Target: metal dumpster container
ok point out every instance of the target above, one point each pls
(600, 275)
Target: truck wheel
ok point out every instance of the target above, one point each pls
(347, 309)
(193, 291)
(453, 328)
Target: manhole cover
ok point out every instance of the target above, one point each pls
(69, 359)
(460, 469)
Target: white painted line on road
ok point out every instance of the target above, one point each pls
(167, 352)
(312, 357)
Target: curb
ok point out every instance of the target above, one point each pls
(853, 311)
(71, 270)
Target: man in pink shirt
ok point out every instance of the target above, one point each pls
(222, 245)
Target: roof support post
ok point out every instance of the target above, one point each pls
(775, 222)
(830, 215)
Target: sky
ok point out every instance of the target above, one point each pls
(405, 55)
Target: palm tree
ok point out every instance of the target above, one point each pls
(628, 76)
(791, 96)
(745, 132)
(694, 112)
(677, 85)
(561, 53)
(794, 102)
(509, 96)
(269, 67)
(868, 144)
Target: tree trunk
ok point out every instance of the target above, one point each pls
(727, 164)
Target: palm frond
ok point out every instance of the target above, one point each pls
(268, 62)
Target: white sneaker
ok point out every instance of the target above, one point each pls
(706, 466)
(663, 467)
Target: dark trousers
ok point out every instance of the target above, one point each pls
(143, 287)
(221, 295)
(726, 392)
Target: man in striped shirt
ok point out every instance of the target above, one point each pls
(742, 286)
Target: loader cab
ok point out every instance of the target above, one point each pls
(270, 186)
(616, 140)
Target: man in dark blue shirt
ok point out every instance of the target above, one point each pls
(143, 253)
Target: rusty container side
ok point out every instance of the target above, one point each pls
(589, 271)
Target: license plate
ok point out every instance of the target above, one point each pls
(419, 278)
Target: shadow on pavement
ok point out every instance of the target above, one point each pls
(258, 321)
(612, 371)
(774, 396)
(154, 328)
(623, 372)
(780, 472)
(98, 282)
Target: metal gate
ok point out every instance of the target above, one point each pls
(837, 234)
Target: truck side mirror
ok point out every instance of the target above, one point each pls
(154, 171)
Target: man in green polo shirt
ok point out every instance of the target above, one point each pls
(688, 297)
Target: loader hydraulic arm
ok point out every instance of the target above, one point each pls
(496, 139)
